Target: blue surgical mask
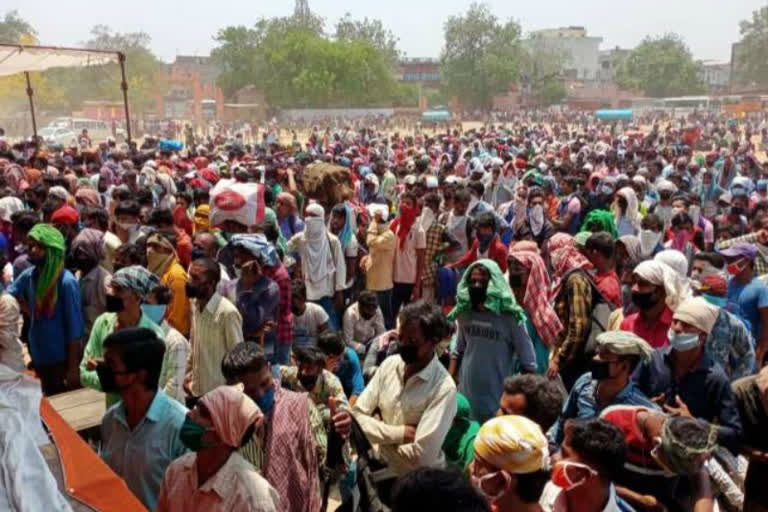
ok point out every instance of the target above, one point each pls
(266, 401)
(683, 341)
(155, 312)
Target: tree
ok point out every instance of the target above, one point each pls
(751, 62)
(661, 66)
(298, 66)
(14, 29)
(481, 56)
(542, 64)
(372, 31)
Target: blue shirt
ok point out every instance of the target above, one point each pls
(49, 337)
(350, 373)
(291, 225)
(257, 305)
(751, 297)
(706, 391)
(141, 456)
(582, 403)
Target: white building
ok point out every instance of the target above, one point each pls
(581, 52)
(717, 76)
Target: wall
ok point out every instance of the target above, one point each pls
(308, 114)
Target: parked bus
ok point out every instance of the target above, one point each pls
(98, 131)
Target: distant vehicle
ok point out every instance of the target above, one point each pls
(614, 114)
(58, 135)
(436, 116)
(98, 131)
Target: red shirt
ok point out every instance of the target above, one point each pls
(655, 333)
(497, 252)
(610, 287)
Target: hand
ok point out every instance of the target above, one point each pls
(91, 364)
(342, 421)
(651, 504)
(762, 236)
(187, 385)
(658, 399)
(680, 409)
(409, 435)
(416, 294)
(268, 326)
(73, 377)
(554, 368)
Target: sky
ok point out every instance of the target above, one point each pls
(187, 27)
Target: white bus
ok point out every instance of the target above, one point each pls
(98, 131)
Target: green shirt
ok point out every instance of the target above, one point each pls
(103, 327)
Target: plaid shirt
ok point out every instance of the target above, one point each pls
(573, 307)
(438, 238)
(761, 261)
(284, 316)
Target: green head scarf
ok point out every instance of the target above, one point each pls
(602, 218)
(499, 297)
(459, 443)
(46, 290)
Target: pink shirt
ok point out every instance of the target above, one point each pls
(236, 487)
(655, 334)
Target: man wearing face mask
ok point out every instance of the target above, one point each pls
(569, 211)
(609, 381)
(215, 477)
(663, 209)
(362, 322)
(128, 289)
(205, 245)
(656, 291)
(164, 264)
(651, 236)
(311, 376)
(127, 221)
(293, 443)
(535, 225)
(414, 394)
(84, 256)
(51, 296)
(685, 379)
(510, 466)
(491, 337)
(592, 457)
(140, 433)
(486, 245)
(216, 327)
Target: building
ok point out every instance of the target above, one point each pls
(609, 61)
(580, 52)
(192, 93)
(425, 71)
(716, 76)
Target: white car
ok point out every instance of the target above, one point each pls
(59, 136)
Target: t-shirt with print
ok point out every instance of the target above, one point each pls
(305, 325)
(405, 257)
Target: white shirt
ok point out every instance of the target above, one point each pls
(305, 325)
(405, 257)
(359, 330)
(427, 401)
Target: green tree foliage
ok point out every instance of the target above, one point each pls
(752, 64)
(542, 63)
(481, 56)
(372, 31)
(661, 66)
(297, 66)
(14, 29)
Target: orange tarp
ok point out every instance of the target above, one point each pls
(86, 477)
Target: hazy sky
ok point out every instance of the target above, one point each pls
(187, 27)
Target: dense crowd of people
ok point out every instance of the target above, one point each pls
(537, 315)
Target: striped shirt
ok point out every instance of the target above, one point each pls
(216, 329)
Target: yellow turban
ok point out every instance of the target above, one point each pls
(512, 443)
(202, 218)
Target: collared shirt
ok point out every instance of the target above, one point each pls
(175, 363)
(284, 315)
(427, 400)
(574, 307)
(141, 456)
(103, 327)
(236, 487)
(405, 270)
(706, 391)
(93, 290)
(553, 499)
(327, 386)
(582, 403)
(730, 345)
(49, 338)
(178, 309)
(378, 276)
(655, 333)
(215, 331)
(357, 329)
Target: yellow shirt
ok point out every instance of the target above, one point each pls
(178, 309)
(382, 256)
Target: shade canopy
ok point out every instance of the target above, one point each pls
(16, 58)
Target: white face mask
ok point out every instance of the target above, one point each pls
(477, 483)
(649, 239)
(127, 226)
(683, 341)
(537, 219)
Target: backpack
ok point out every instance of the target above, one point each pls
(598, 316)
